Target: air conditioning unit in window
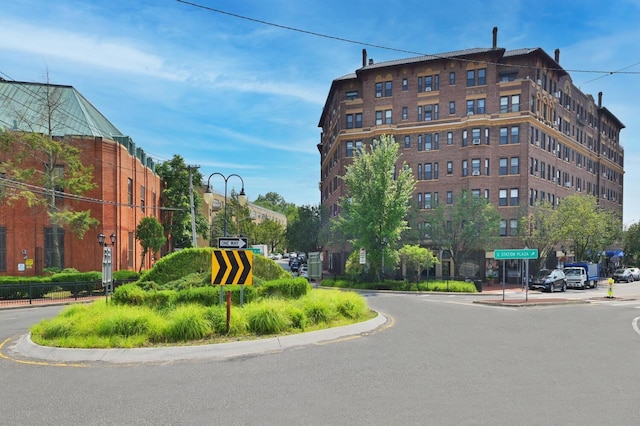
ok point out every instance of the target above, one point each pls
(553, 179)
(475, 173)
(470, 113)
(567, 184)
(427, 89)
(476, 141)
(537, 143)
(556, 94)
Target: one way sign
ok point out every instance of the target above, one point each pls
(231, 267)
(233, 242)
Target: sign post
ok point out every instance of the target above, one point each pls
(521, 254)
(233, 242)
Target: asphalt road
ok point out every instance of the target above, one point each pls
(442, 360)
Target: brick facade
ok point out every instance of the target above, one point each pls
(514, 119)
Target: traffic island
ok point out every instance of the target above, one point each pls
(531, 302)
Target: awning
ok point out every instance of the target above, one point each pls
(612, 253)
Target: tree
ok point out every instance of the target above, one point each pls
(538, 229)
(632, 243)
(417, 259)
(303, 229)
(44, 170)
(270, 232)
(585, 226)
(275, 202)
(176, 218)
(376, 202)
(469, 224)
(150, 233)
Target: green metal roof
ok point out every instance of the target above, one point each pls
(23, 106)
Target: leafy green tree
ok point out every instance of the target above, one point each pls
(585, 226)
(374, 209)
(176, 217)
(417, 259)
(632, 243)
(150, 233)
(270, 232)
(539, 230)
(469, 224)
(275, 202)
(44, 169)
(303, 229)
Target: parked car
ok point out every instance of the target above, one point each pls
(549, 280)
(304, 272)
(635, 272)
(622, 274)
(294, 266)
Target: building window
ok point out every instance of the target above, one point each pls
(449, 197)
(504, 104)
(419, 113)
(427, 200)
(435, 172)
(428, 171)
(502, 197)
(405, 113)
(378, 118)
(449, 138)
(449, 167)
(513, 227)
(130, 191)
(419, 172)
(471, 78)
(515, 165)
(504, 136)
(3, 249)
(470, 106)
(378, 90)
(503, 228)
(387, 88)
(452, 78)
(503, 167)
(388, 118)
(420, 145)
(514, 198)
(475, 167)
(405, 84)
(428, 142)
(482, 77)
(419, 200)
(349, 151)
(351, 95)
(48, 247)
(486, 166)
(481, 106)
(358, 120)
(515, 134)
(349, 121)
(465, 138)
(475, 193)
(465, 168)
(515, 103)
(407, 141)
(143, 201)
(130, 240)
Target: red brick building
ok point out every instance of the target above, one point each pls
(508, 125)
(127, 190)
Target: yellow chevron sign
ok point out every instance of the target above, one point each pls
(231, 267)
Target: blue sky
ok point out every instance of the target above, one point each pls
(237, 96)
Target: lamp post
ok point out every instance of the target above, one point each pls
(208, 194)
(107, 263)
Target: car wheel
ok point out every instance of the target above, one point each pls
(564, 287)
(629, 280)
(551, 288)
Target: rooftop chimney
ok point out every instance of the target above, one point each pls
(557, 55)
(495, 37)
(364, 58)
(370, 61)
(599, 99)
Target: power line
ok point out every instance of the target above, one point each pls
(377, 46)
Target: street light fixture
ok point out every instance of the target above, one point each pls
(102, 238)
(208, 194)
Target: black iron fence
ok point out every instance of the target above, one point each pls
(38, 293)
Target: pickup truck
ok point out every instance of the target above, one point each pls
(582, 274)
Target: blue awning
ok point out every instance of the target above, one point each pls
(611, 253)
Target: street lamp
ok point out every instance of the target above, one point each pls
(102, 238)
(208, 194)
(107, 262)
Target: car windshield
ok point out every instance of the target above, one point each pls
(620, 271)
(572, 272)
(544, 273)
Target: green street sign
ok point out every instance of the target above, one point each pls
(508, 254)
(254, 250)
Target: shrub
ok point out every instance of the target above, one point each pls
(267, 317)
(161, 299)
(267, 269)
(207, 296)
(175, 265)
(288, 288)
(195, 279)
(129, 294)
(125, 321)
(350, 305)
(217, 317)
(317, 307)
(125, 275)
(187, 322)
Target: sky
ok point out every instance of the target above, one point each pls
(238, 87)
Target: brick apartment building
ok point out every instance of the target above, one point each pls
(508, 125)
(128, 188)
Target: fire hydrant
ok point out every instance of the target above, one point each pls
(610, 288)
